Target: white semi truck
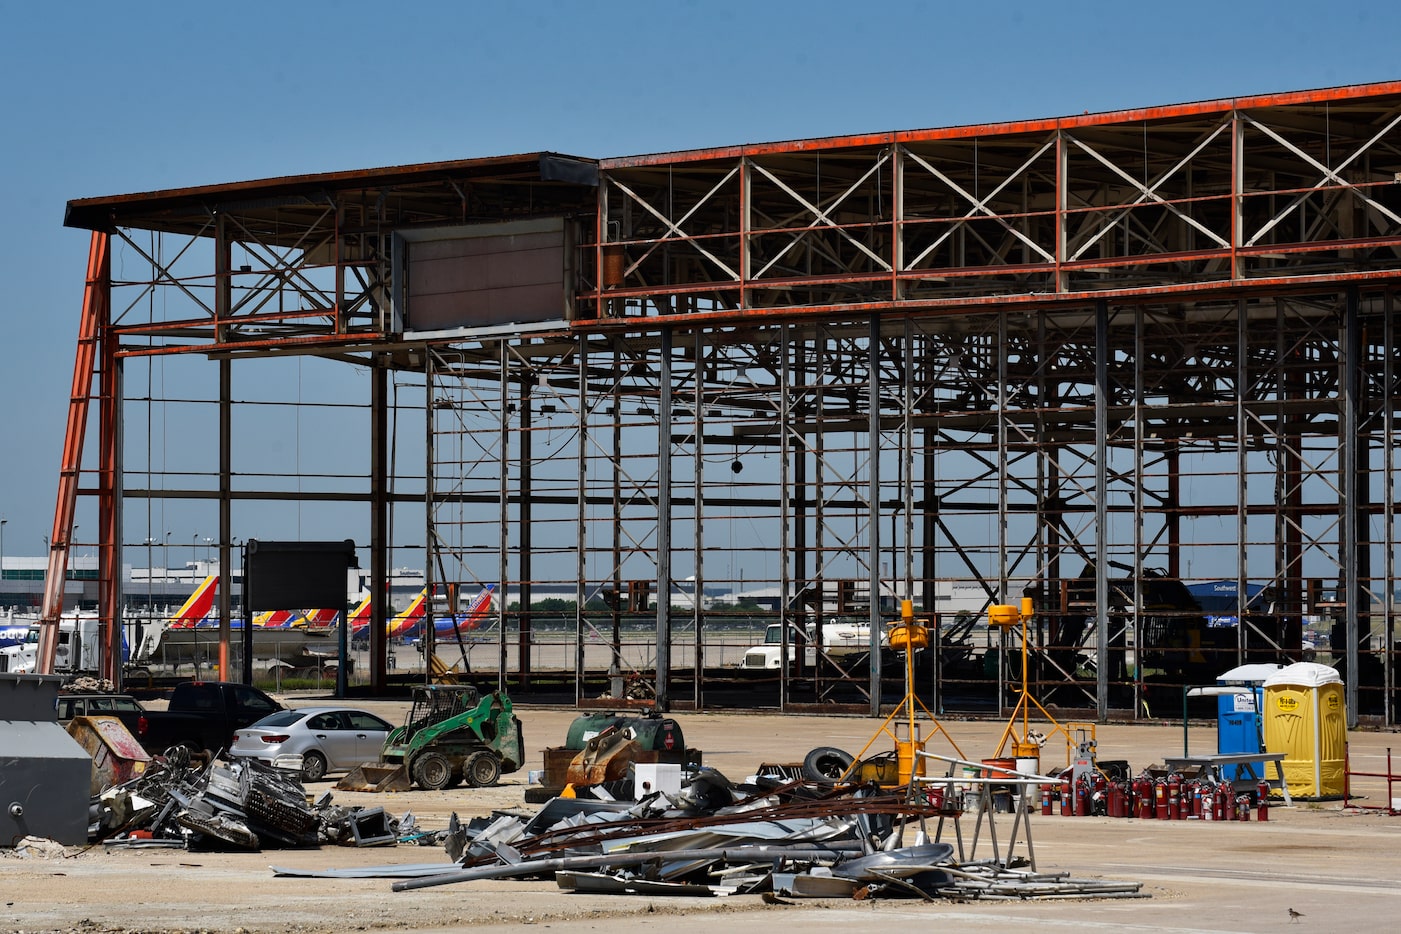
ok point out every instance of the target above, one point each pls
(839, 637)
(77, 648)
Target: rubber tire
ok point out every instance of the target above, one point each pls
(482, 769)
(313, 767)
(825, 764)
(432, 771)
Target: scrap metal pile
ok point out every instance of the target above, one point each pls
(796, 839)
(242, 805)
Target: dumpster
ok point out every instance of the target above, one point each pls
(116, 755)
(44, 775)
(1238, 720)
(1305, 718)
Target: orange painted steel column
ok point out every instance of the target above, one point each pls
(96, 305)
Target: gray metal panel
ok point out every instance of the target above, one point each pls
(29, 697)
(45, 779)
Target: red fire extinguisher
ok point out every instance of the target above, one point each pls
(1222, 801)
(1046, 799)
(1208, 805)
(1243, 807)
(1116, 800)
(1262, 798)
(1082, 797)
(1067, 799)
(1174, 798)
(1160, 799)
(1143, 796)
(1197, 800)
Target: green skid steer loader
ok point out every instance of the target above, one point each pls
(452, 734)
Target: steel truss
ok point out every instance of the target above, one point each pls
(1091, 359)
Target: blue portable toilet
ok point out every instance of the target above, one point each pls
(1239, 727)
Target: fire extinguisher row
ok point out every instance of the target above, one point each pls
(1170, 797)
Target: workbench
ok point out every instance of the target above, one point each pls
(1248, 759)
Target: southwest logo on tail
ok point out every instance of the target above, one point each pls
(409, 622)
(405, 623)
(470, 619)
(198, 606)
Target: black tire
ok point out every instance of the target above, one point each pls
(482, 769)
(826, 764)
(432, 771)
(313, 767)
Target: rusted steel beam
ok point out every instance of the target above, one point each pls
(1358, 92)
(96, 295)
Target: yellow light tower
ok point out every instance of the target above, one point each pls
(906, 635)
(1005, 617)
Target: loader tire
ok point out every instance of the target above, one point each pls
(432, 771)
(826, 764)
(482, 769)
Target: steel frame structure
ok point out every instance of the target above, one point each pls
(1092, 356)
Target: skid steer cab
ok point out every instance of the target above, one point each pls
(452, 734)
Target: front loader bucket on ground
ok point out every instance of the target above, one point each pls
(375, 776)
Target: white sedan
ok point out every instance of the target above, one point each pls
(329, 739)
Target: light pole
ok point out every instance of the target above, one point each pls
(194, 550)
(2, 558)
(208, 549)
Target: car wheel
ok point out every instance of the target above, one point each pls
(826, 764)
(313, 767)
(482, 769)
(432, 771)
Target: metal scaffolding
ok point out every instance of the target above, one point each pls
(1100, 361)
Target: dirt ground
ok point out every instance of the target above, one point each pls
(1341, 869)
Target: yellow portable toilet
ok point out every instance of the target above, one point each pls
(1305, 718)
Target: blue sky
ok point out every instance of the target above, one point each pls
(110, 98)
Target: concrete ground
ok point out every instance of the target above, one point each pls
(1339, 869)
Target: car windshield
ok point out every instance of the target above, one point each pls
(281, 718)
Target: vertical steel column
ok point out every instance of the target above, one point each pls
(907, 464)
(225, 527)
(503, 540)
(1348, 555)
(432, 541)
(803, 558)
(1102, 509)
(1062, 209)
(379, 536)
(96, 318)
(698, 527)
(109, 515)
(664, 524)
(785, 541)
(615, 667)
(581, 527)
(1242, 477)
(1140, 432)
(929, 518)
(1001, 457)
(525, 565)
(1237, 190)
(1388, 405)
(223, 306)
(873, 510)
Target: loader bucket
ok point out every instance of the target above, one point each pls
(376, 777)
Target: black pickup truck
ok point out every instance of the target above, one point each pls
(201, 715)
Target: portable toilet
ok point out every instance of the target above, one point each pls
(1238, 717)
(1305, 718)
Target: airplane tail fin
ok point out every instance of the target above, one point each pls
(199, 604)
(410, 619)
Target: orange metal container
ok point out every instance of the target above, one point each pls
(116, 755)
